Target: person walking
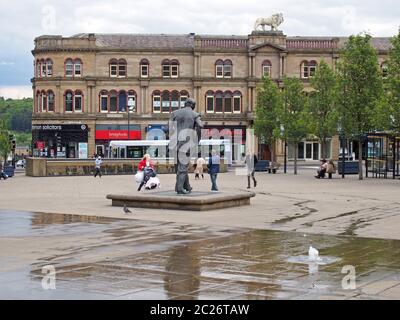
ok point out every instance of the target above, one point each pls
(97, 164)
(199, 168)
(213, 169)
(146, 165)
(251, 161)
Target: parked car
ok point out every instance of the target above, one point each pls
(20, 163)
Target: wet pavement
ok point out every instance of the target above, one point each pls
(105, 258)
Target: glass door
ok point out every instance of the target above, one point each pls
(309, 151)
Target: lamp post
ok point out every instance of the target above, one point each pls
(342, 144)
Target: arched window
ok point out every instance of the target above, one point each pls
(113, 101)
(170, 69)
(49, 67)
(165, 102)
(132, 98)
(266, 68)
(210, 101)
(69, 68)
(44, 101)
(183, 97)
(174, 100)
(228, 69)
(122, 68)
(38, 68)
(308, 69)
(69, 103)
(122, 101)
(384, 70)
(228, 103)
(44, 71)
(219, 102)
(77, 68)
(113, 67)
(156, 101)
(223, 102)
(219, 68)
(78, 101)
(50, 101)
(144, 68)
(103, 101)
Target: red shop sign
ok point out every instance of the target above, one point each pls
(39, 144)
(118, 135)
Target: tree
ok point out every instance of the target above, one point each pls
(5, 145)
(360, 90)
(393, 83)
(268, 106)
(323, 109)
(294, 115)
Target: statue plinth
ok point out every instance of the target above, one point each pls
(270, 33)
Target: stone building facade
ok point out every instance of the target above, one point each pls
(84, 84)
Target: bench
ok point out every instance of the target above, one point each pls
(350, 167)
(266, 165)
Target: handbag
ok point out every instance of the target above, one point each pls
(139, 176)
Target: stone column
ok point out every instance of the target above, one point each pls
(282, 64)
(59, 98)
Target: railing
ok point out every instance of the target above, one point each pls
(310, 44)
(223, 43)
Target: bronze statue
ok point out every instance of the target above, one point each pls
(185, 126)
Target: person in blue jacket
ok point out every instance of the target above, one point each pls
(213, 169)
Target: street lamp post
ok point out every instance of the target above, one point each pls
(342, 144)
(285, 148)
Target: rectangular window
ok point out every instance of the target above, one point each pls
(144, 71)
(103, 104)
(39, 99)
(236, 105)
(219, 71)
(68, 103)
(69, 69)
(113, 70)
(166, 71)
(228, 105)
(174, 71)
(227, 71)
(218, 104)
(165, 106)
(122, 70)
(267, 71)
(156, 104)
(210, 104)
(174, 105)
(78, 70)
(113, 104)
(38, 70)
(78, 103)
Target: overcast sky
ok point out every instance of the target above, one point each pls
(22, 21)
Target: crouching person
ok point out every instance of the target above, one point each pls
(146, 165)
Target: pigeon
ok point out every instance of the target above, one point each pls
(126, 210)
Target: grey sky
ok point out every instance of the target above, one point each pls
(21, 21)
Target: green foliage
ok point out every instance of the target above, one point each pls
(323, 110)
(268, 108)
(17, 114)
(360, 86)
(294, 115)
(5, 145)
(393, 83)
(361, 90)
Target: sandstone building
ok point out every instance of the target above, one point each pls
(83, 84)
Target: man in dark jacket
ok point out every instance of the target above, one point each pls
(251, 161)
(213, 169)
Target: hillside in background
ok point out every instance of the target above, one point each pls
(18, 117)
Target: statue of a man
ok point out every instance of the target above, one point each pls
(185, 132)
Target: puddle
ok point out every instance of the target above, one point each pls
(103, 258)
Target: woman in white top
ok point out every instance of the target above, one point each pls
(199, 168)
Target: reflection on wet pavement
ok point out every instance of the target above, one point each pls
(104, 258)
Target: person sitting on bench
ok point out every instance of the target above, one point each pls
(322, 170)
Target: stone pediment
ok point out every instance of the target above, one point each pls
(267, 47)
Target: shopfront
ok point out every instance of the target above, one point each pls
(107, 132)
(60, 140)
